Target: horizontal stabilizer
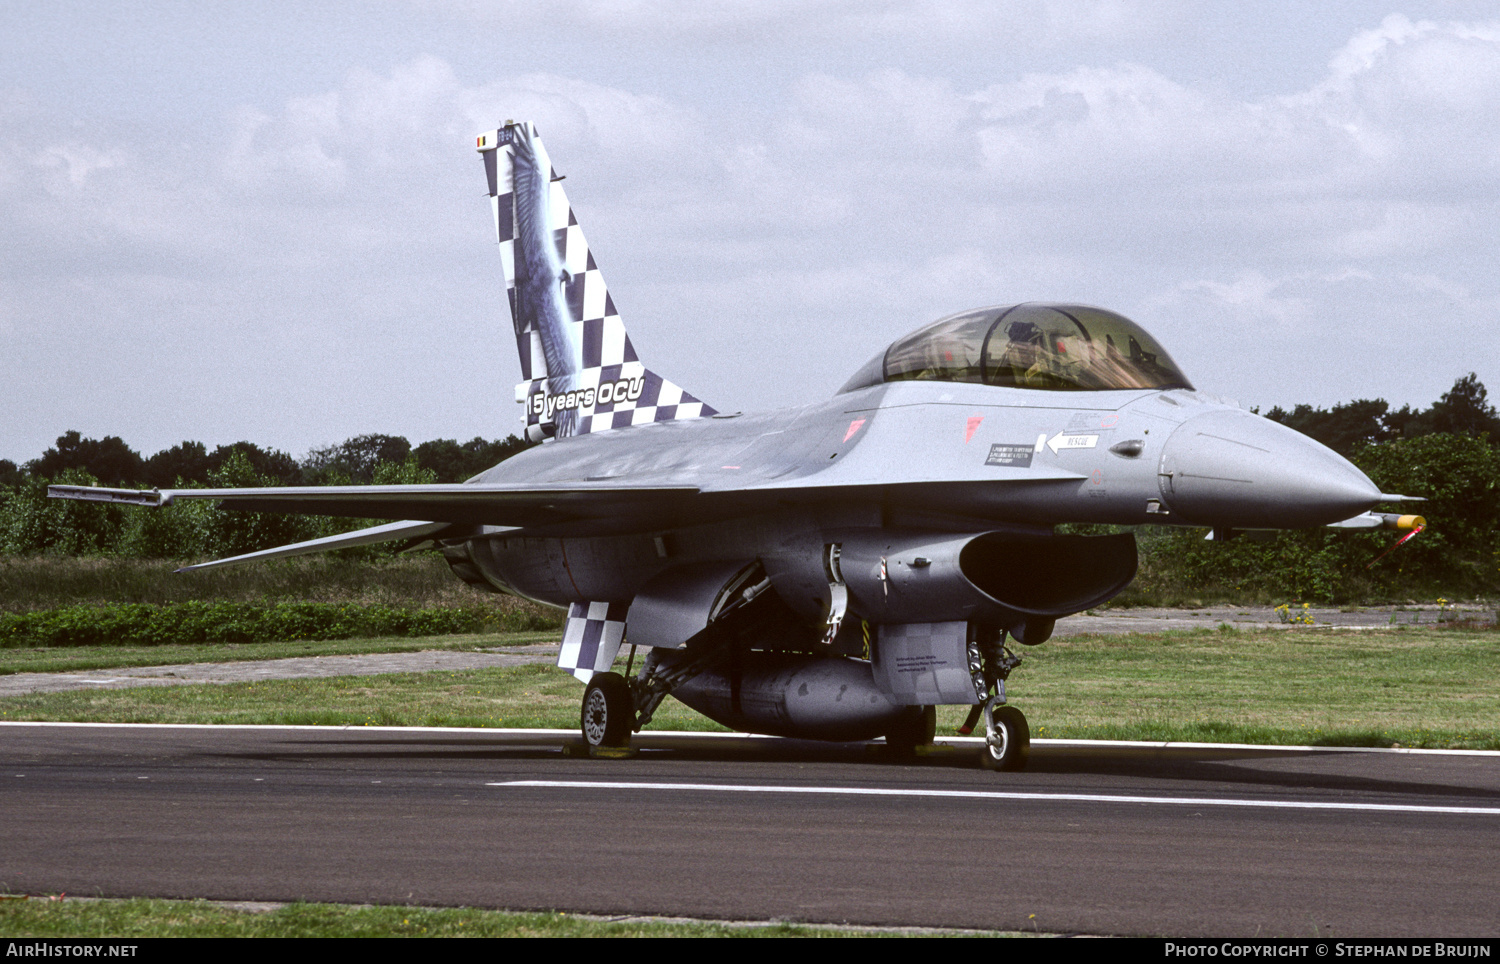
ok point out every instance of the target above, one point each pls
(389, 532)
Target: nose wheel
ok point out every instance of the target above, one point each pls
(608, 711)
(1007, 738)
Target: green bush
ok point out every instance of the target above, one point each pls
(1458, 476)
(30, 522)
(177, 531)
(1456, 555)
(227, 533)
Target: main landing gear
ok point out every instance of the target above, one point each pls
(608, 711)
(615, 707)
(916, 728)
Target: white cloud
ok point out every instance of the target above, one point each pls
(332, 243)
(1328, 337)
(1253, 300)
(960, 24)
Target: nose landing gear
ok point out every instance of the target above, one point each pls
(1007, 737)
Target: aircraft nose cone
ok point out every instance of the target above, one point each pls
(1230, 468)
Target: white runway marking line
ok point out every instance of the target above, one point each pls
(999, 795)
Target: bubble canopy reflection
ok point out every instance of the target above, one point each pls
(1052, 347)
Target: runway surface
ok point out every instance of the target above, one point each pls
(1090, 839)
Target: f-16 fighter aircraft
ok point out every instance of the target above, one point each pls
(830, 572)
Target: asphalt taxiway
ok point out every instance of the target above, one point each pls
(1136, 839)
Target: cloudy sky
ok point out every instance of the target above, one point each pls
(265, 221)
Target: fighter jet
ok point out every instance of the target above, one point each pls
(830, 572)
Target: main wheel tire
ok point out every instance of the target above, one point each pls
(1013, 744)
(608, 711)
(916, 728)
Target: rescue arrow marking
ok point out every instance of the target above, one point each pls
(1064, 440)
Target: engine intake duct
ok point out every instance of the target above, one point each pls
(1007, 578)
(1050, 575)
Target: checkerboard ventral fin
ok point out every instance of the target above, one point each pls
(580, 372)
(592, 638)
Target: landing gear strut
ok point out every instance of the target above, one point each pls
(1007, 737)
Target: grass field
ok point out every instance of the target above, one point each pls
(415, 581)
(1413, 686)
(42, 917)
(63, 659)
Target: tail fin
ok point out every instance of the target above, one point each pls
(582, 374)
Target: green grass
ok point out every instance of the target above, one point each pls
(420, 580)
(1416, 686)
(189, 623)
(52, 601)
(41, 917)
(1425, 687)
(521, 696)
(62, 659)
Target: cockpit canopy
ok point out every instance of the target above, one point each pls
(1051, 347)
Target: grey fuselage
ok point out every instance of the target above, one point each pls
(906, 465)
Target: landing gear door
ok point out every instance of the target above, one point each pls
(924, 664)
(678, 604)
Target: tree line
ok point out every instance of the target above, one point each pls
(355, 461)
(1464, 409)
(32, 523)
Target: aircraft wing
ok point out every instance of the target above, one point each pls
(451, 504)
(603, 505)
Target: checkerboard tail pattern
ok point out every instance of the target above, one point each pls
(592, 638)
(581, 372)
